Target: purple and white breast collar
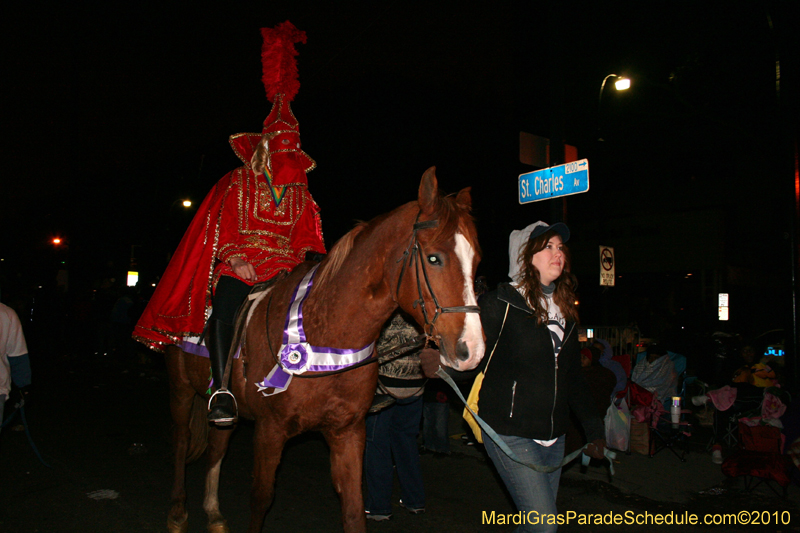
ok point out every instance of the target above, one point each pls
(296, 356)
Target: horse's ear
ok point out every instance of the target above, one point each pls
(428, 192)
(464, 198)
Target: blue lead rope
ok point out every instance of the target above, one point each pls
(21, 410)
(503, 446)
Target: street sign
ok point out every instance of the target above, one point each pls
(563, 180)
(607, 266)
(724, 309)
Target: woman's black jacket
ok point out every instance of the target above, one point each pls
(524, 393)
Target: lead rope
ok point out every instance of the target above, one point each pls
(503, 446)
(20, 408)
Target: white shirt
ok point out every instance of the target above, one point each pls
(12, 344)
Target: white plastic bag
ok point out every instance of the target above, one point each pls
(618, 426)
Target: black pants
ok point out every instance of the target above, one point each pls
(228, 297)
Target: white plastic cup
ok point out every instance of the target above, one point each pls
(675, 410)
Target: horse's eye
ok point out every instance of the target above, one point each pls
(434, 260)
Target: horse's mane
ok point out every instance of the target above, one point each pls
(339, 252)
(452, 216)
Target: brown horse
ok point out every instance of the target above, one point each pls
(417, 257)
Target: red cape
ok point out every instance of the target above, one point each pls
(237, 218)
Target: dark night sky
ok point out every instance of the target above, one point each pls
(113, 112)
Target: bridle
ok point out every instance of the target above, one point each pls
(414, 253)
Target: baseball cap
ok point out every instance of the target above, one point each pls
(541, 227)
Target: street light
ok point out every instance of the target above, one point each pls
(621, 84)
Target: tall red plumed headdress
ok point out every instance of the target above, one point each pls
(278, 59)
(279, 65)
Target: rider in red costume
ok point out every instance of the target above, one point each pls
(257, 221)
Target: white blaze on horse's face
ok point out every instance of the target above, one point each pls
(472, 334)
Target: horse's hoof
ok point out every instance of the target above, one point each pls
(173, 526)
(219, 527)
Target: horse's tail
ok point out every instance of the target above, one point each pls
(198, 430)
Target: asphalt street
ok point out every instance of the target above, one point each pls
(101, 424)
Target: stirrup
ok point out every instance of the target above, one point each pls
(224, 421)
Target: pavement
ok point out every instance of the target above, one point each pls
(102, 426)
(682, 483)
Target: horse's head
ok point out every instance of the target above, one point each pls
(436, 286)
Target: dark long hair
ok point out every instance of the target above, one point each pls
(566, 283)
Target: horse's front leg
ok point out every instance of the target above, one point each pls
(347, 456)
(268, 441)
(218, 440)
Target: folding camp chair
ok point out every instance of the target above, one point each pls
(760, 460)
(663, 433)
(666, 435)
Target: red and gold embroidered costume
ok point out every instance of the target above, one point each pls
(262, 213)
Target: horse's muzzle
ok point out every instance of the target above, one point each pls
(462, 351)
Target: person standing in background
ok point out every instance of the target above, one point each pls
(392, 432)
(15, 364)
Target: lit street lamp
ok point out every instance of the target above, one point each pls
(174, 219)
(621, 84)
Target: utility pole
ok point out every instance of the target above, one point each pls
(558, 207)
(788, 135)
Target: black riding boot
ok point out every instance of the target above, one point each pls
(222, 407)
